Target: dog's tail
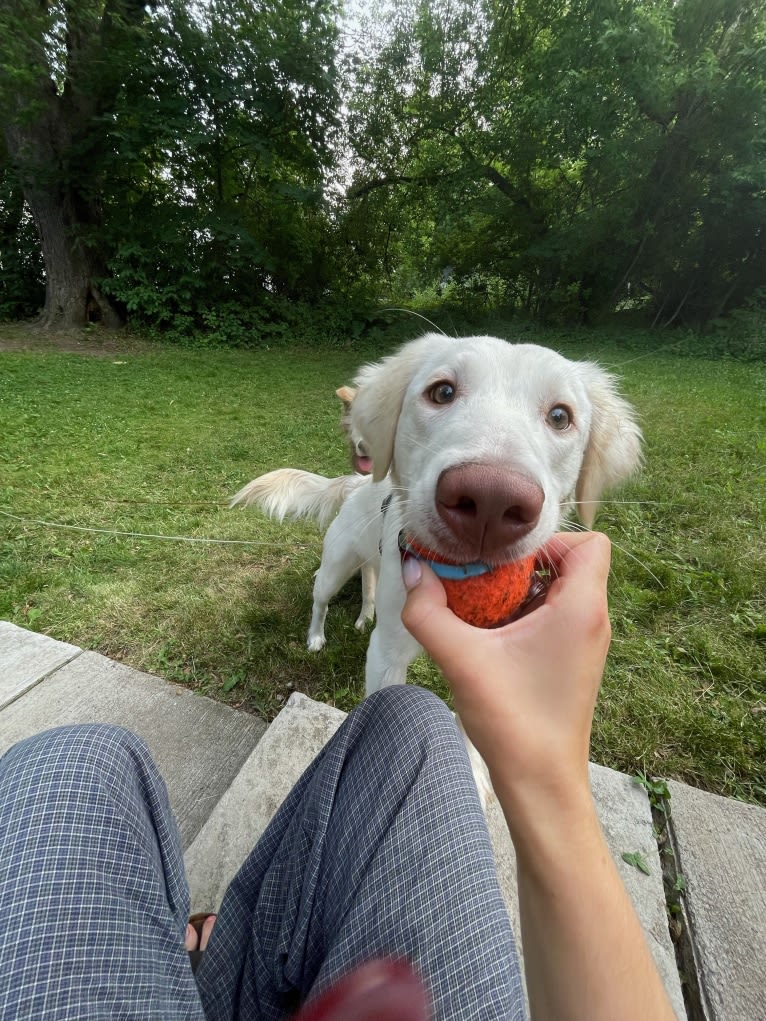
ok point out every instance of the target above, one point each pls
(291, 493)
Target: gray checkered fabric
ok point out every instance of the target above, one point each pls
(380, 850)
(93, 896)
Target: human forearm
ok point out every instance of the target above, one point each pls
(525, 694)
(585, 954)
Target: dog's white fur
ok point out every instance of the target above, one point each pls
(497, 421)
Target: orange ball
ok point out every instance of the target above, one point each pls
(482, 596)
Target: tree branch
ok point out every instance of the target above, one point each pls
(357, 191)
(506, 187)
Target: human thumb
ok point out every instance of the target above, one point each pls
(426, 614)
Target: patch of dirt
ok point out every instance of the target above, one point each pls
(94, 341)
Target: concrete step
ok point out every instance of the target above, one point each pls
(199, 745)
(293, 740)
(720, 849)
(626, 819)
(26, 658)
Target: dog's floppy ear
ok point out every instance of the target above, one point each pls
(375, 411)
(377, 404)
(613, 452)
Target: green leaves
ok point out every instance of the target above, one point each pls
(185, 148)
(657, 790)
(615, 147)
(568, 159)
(637, 860)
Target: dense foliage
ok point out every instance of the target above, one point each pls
(181, 153)
(577, 154)
(218, 165)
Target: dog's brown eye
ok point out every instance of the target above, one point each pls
(442, 393)
(559, 418)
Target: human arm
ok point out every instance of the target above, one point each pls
(526, 694)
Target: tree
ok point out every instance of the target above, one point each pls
(576, 151)
(699, 218)
(172, 156)
(62, 66)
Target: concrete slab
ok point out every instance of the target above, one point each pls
(720, 848)
(300, 731)
(293, 740)
(199, 745)
(626, 818)
(26, 658)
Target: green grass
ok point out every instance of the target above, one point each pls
(155, 440)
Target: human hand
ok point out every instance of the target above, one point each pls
(526, 692)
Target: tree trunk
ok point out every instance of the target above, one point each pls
(49, 137)
(62, 218)
(72, 269)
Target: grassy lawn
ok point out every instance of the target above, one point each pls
(153, 441)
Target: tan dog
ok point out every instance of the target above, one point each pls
(358, 451)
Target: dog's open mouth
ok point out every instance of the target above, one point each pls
(438, 544)
(362, 464)
(482, 595)
(441, 565)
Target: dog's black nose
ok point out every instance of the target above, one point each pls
(488, 509)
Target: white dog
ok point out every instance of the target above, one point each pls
(479, 449)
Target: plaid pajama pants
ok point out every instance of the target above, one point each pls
(380, 850)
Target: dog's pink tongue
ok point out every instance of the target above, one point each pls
(364, 465)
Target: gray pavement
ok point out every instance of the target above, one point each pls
(199, 745)
(720, 848)
(226, 778)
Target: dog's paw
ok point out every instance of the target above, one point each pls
(316, 643)
(361, 622)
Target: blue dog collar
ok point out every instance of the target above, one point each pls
(451, 572)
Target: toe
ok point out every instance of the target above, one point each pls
(207, 929)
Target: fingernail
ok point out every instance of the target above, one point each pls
(411, 571)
